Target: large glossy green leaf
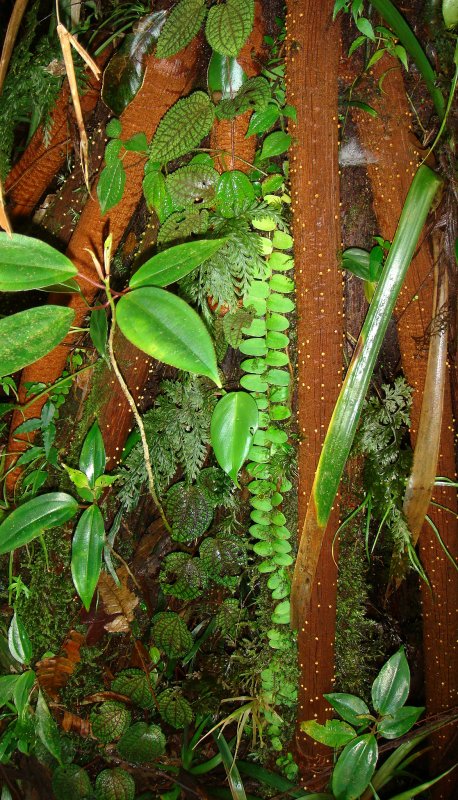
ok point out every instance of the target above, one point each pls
(18, 641)
(181, 26)
(234, 193)
(32, 518)
(47, 729)
(233, 425)
(124, 74)
(167, 328)
(229, 25)
(87, 546)
(391, 686)
(225, 77)
(399, 723)
(93, 458)
(233, 775)
(27, 263)
(174, 263)
(28, 335)
(182, 127)
(355, 767)
(450, 13)
(351, 708)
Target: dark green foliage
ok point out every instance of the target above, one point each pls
(134, 684)
(182, 224)
(71, 781)
(110, 721)
(170, 634)
(192, 185)
(114, 784)
(174, 708)
(254, 94)
(234, 323)
(229, 617)
(188, 512)
(183, 577)
(178, 433)
(217, 487)
(182, 127)
(180, 27)
(30, 88)
(223, 557)
(142, 743)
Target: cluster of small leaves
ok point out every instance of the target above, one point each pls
(31, 85)
(382, 438)
(386, 40)
(178, 433)
(357, 762)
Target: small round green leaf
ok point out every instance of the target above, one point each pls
(114, 784)
(27, 336)
(391, 686)
(87, 547)
(27, 263)
(32, 518)
(355, 768)
(233, 425)
(167, 328)
(72, 781)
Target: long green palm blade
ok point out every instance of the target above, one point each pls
(233, 775)
(401, 28)
(342, 427)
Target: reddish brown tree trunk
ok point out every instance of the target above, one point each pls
(165, 82)
(389, 140)
(312, 72)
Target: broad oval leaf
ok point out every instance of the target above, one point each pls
(19, 643)
(22, 691)
(93, 458)
(87, 546)
(157, 196)
(400, 722)
(275, 144)
(27, 336)
(124, 73)
(110, 186)
(229, 25)
(182, 127)
(450, 13)
(355, 767)
(234, 193)
(391, 686)
(27, 263)
(180, 27)
(334, 733)
(167, 328)
(225, 77)
(174, 263)
(254, 94)
(357, 260)
(193, 185)
(261, 121)
(349, 707)
(32, 518)
(233, 425)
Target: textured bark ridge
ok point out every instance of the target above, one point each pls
(228, 135)
(165, 81)
(393, 157)
(312, 71)
(41, 161)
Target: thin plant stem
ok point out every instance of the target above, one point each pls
(135, 412)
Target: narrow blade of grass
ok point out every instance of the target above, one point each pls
(233, 775)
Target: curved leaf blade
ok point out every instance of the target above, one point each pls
(29, 335)
(233, 425)
(167, 328)
(87, 546)
(174, 263)
(229, 25)
(355, 767)
(180, 27)
(47, 729)
(399, 723)
(27, 263)
(391, 686)
(32, 518)
(182, 127)
(19, 643)
(351, 708)
(93, 457)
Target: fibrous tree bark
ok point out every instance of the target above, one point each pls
(312, 75)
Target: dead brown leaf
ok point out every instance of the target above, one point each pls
(118, 601)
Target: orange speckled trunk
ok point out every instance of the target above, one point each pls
(390, 141)
(165, 82)
(311, 74)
